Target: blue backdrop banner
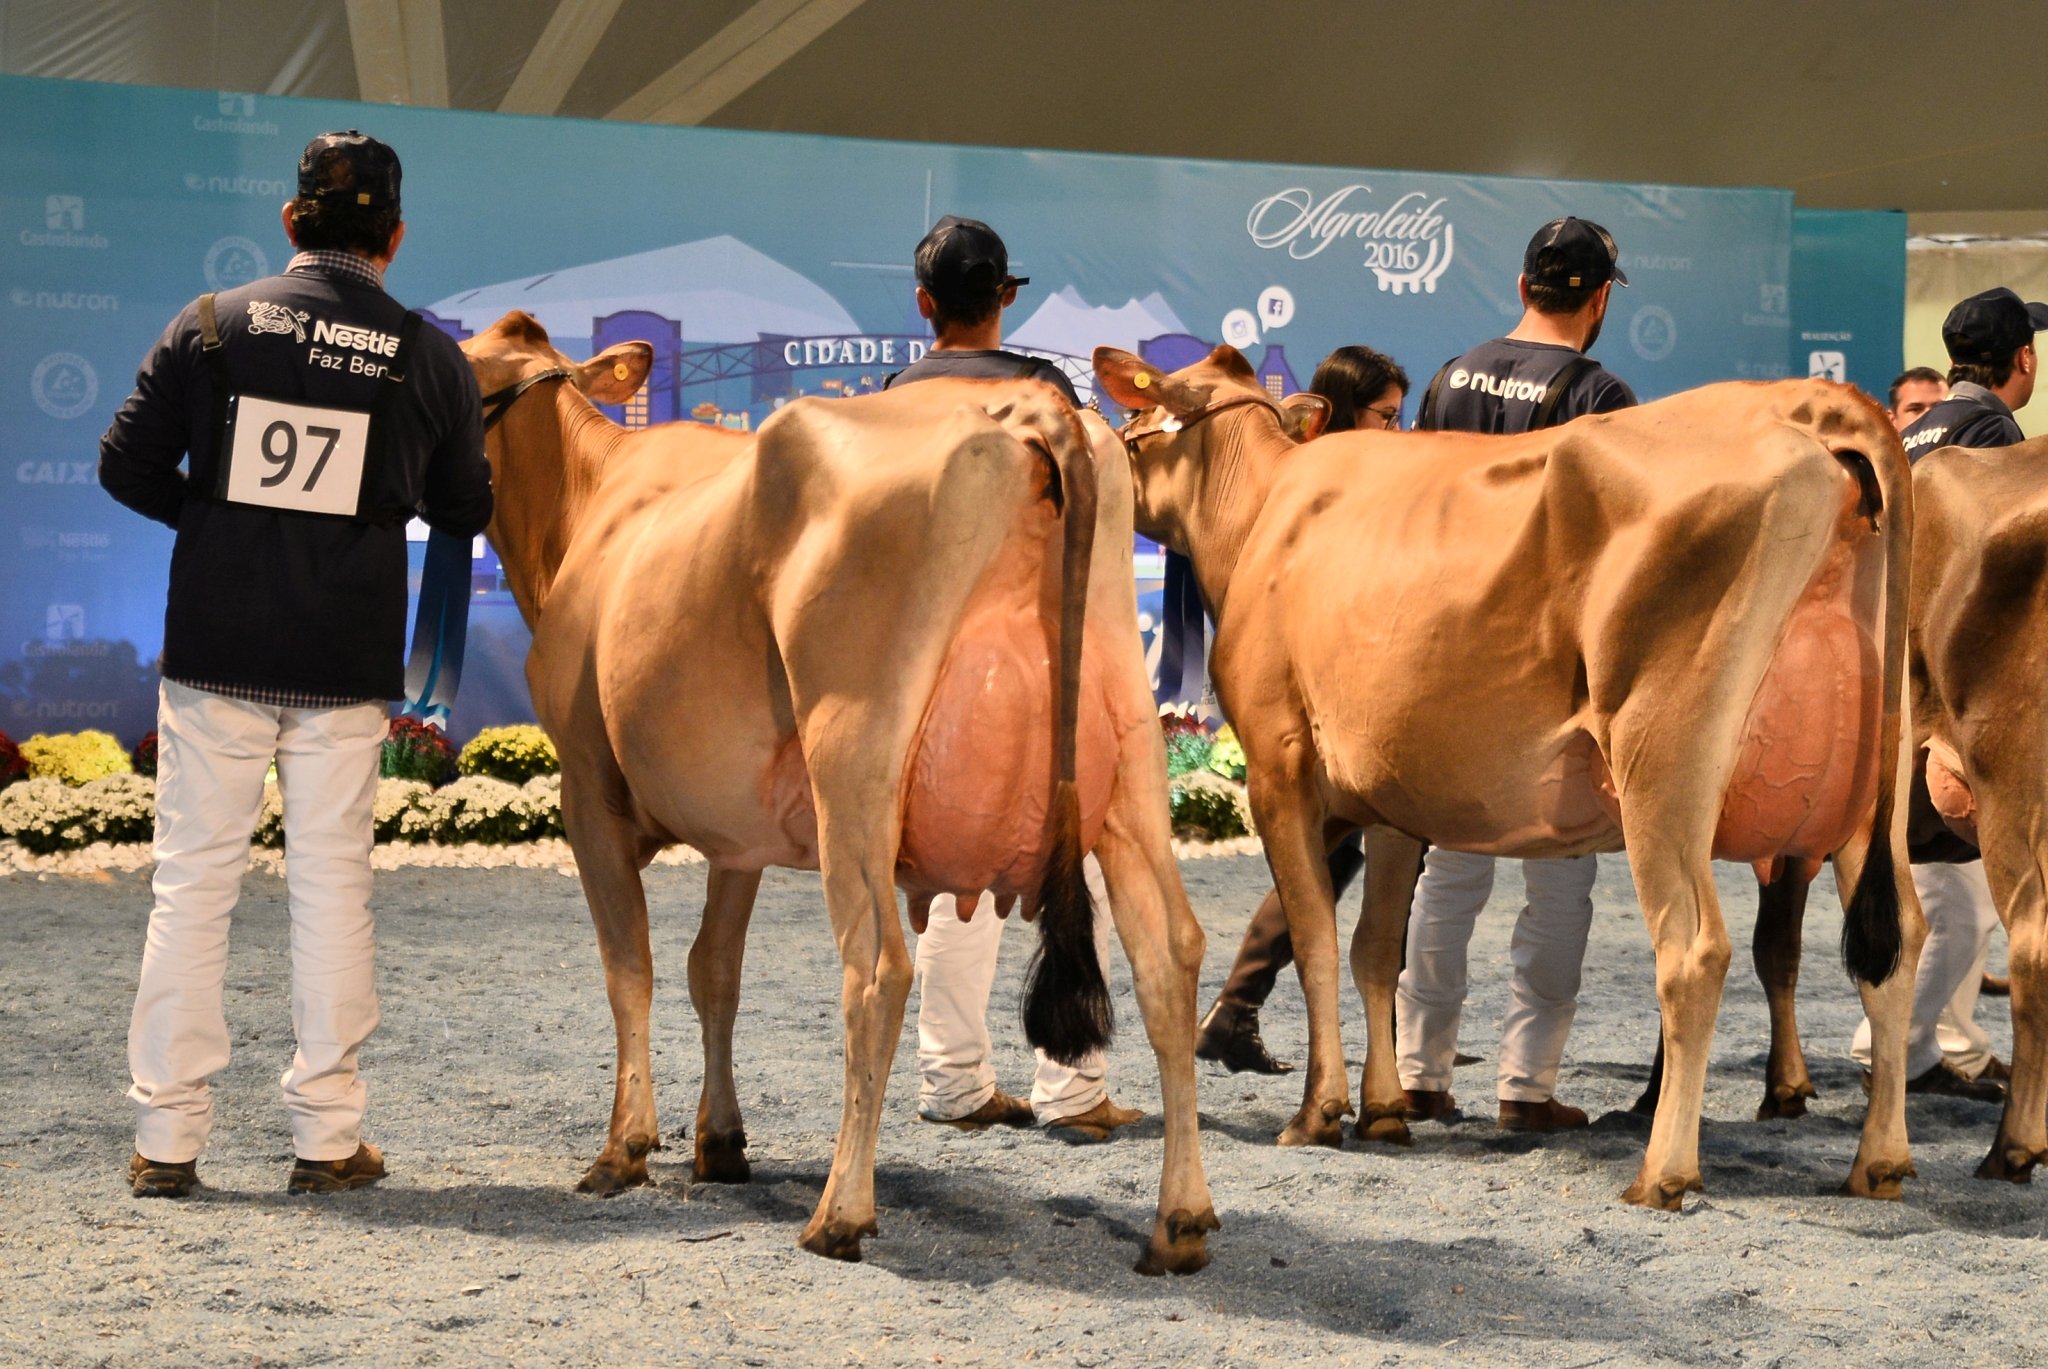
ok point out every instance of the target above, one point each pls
(761, 267)
(1849, 296)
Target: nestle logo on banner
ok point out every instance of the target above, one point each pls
(56, 473)
(1408, 243)
(200, 184)
(90, 301)
(68, 545)
(237, 114)
(64, 226)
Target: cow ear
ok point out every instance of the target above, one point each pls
(1304, 416)
(1137, 384)
(613, 375)
(1231, 362)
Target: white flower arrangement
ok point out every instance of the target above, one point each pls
(46, 814)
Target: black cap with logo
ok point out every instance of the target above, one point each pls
(963, 261)
(1574, 254)
(1986, 329)
(352, 166)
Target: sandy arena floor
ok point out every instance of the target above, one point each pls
(490, 1084)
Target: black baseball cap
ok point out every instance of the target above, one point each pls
(1986, 329)
(350, 165)
(963, 260)
(1576, 254)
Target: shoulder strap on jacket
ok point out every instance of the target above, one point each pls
(1560, 385)
(1425, 416)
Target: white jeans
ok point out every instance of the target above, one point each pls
(1960, 918)
(956, 969)
(212, 755)
(1547, 951)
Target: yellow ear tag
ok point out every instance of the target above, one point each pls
(1141, 380)
(618, 370)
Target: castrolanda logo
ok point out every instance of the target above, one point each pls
(1408, 243)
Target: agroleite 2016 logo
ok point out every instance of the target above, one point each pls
(1408, 243)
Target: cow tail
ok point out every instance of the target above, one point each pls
(1066, 999)
(1871, 939)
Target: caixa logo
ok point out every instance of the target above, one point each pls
(64, 384)
(1407, 243)
(92, 302)
(56, 473)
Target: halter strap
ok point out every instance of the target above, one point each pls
(1171, 423)
(498, 403)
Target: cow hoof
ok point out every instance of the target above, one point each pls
(2014, 1164)
(1666, 1195)
(1384, 1123)
(1179, 1244)
(721, 1158)
(1784, 1101)
(610, 1177)
(1881, 1179)
(836, 1240)
(1316, 1126)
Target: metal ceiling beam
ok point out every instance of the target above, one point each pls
(426, 52)
(768, 34)
(401, 51)
(559, 57)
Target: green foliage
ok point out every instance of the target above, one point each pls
(513, 754)
(1207, 807)
(47, 815)
(143, 757)
(415, 751)
(74, 757)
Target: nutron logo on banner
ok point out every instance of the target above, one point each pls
(1408, 243)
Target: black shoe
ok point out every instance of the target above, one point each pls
(1941, 1079)
(1230, 1034)
(161, 1179)
(366, 1166)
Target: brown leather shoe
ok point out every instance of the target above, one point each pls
(1430, 1105)
(160, 1178)
(1095, 1124)
(366, 1166)
(1941, 1079)
(1230, 1035)
(1997, 1071)
(1000, 1110)
(1548, 1115)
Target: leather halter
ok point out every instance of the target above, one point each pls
(504, 399)
(1171, 423)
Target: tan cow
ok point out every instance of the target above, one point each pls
(1683, 625)
(1979, 670)
(850, 642)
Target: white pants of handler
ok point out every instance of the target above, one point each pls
(1960, 919)
(212, 756)
(956, 969)
(1547, 951)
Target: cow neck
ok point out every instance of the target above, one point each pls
(1236, 475)
(543, 494)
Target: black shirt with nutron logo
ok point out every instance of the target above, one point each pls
(1502, 386)
(995, 364)
(1971, 416)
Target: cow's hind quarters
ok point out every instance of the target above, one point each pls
(1386, 1123)
(1666, 1194)
(2012, 1163)
(721, 1158)
(1785, 1101)
(614, 1174)
(1884, 1179)
(1179, 1244)
(836, 1240)
(1317, 1124)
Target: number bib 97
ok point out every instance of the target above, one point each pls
(296, 457)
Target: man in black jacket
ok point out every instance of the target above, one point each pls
(314, 416)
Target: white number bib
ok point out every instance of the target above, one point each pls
(298, 457)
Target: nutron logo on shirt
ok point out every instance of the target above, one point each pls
(1408, 243)
(1500, 388)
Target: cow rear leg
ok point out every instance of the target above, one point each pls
(1676, 889)
(1884, 1159)
(1164, 945)
(1391, 862)
(1780, 919)
(1289, 817)
(610, 854)
(715, 958)
(2022, 1139)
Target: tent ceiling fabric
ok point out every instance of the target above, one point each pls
(1854, 104)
